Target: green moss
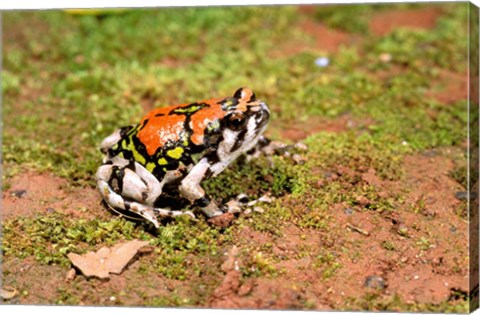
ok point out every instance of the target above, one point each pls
(340, 16)
(49, 238)
(375, 302)
(255, 178)
(388, 245)
(327, 262)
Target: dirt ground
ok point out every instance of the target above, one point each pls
(415, 277)
(406, 271)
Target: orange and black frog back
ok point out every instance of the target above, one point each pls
(171, 136)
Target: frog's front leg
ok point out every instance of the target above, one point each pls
(190, 189)
(112, 139)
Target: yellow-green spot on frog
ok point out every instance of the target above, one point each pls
(175, 153)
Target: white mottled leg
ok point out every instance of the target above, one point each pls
(190, 188)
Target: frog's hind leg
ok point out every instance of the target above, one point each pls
(123, 190)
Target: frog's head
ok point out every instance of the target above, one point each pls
(244, 122)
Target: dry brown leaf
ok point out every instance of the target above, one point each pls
(8, 294)
(121, 254)
(106, 260)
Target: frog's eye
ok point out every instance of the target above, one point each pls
(245, 94)
(236, 121)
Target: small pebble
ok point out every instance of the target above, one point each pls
(50, 210)
(70, 275)
(348, 211)
(258, 209)
(437, 261)
(322, 62)
(453, 229)
(363, 201)
(374, 282)
(385, 57)
(402, 230)
(19, 193)
(330, 175)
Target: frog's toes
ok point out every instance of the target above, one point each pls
(233, 206)
(300, 146)
(190, 214)
(299, 159)
(243, 204)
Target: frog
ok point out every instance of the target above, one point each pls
(155, 168)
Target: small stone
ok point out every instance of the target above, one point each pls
(330, 175)
(385, 57)
(258, 209)
(223, 220)
(402, 230)
(374, 282)
(245, 289)
(437, 261)
(363, 201)
(50, 210)
(453, 229)
(70, 275)
(404, 259)
(348, 211)
(322, 62)
(19, 193)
